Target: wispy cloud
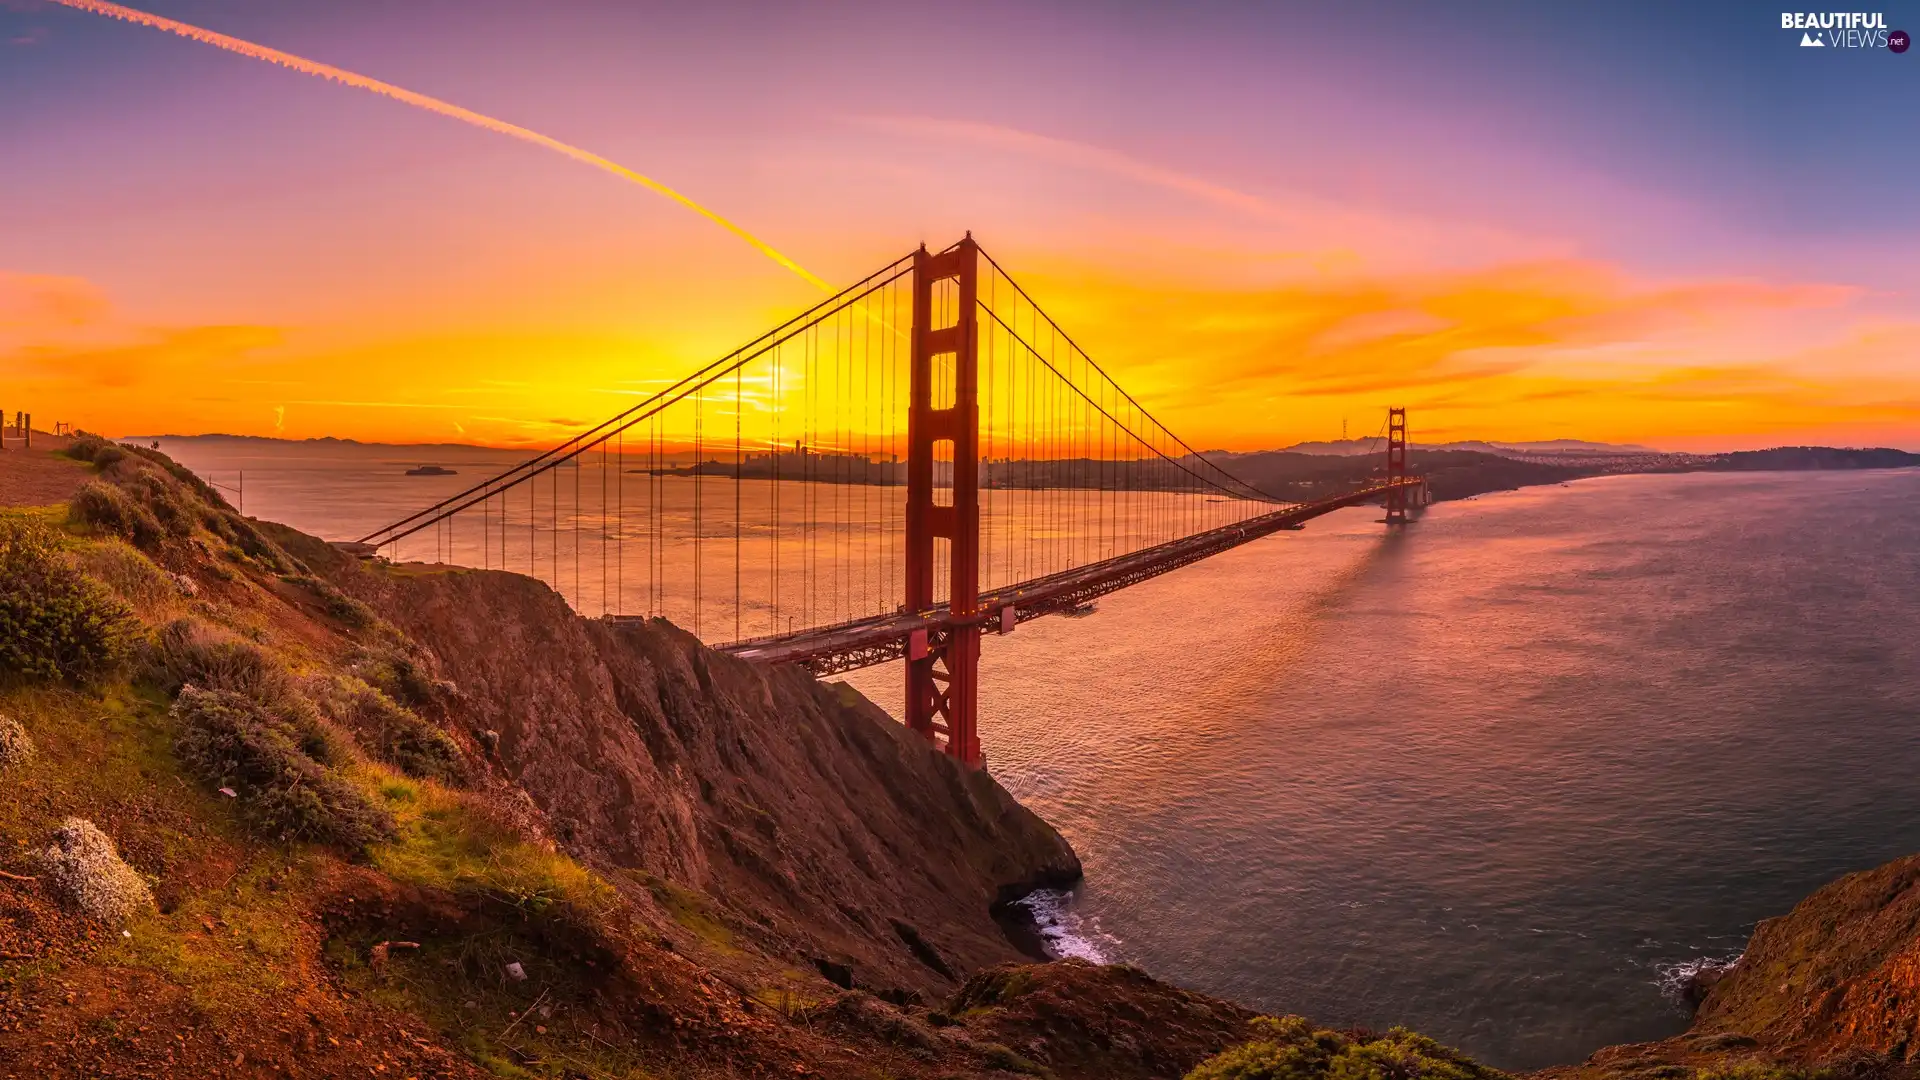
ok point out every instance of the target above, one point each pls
(433, 105)
(374, 404)
(1079, 155)
(173, 356)
(1507, 346)
(1330, 228)
(39, 302)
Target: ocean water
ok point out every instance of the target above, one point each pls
(1489, 776)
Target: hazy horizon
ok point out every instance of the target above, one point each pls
(760, 448)
(1514, 220)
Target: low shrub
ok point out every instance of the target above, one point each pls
(339, 605)
(190, 653)
(85, 446)
(55, 622)
(231, 741)
(207, 492)
(84, 870)
(127, 572)
(1289, 1048)
(97, 450)
(397, 675)
(246, 540)
(350, 612)
(108, 509)
(164, 499)
(392, 732)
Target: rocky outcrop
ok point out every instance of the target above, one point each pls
(1833, 987)
(818, 827)
(1840, 973)
(1109, 1021)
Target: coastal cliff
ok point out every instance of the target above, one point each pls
(269, 810)
(369, 814)
(1831, 988)
(814, 824)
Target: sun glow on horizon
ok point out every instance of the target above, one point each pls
(1256, 278)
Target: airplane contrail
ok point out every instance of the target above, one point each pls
(431, 104)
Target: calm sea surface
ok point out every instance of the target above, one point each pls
(1486, 777)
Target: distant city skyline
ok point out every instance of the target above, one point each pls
(1632, 223)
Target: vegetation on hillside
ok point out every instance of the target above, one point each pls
(56, 623)
(1290, 1048)
(246, 832)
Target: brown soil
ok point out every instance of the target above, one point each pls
(40, 476)
(759, 831)
(67, 1009)
(686, 857)
(818, 828)
(1081, 1019)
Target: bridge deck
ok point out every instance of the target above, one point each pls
(877, 639)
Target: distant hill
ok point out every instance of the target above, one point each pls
(1355, 447)
(327, 441)
(1451, 473)
(1795, 458)
(1454, 472)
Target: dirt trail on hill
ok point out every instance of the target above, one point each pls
(40, 475)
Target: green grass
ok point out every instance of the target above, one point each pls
(1289, 1048)
(242, 920)
(692, 911)
(109, 756)
(445, 840)
(235, 949)
(54, 516)
(94, 746)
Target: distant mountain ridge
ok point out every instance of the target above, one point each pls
(324, 440)
(1375, 445)
(1329, 448)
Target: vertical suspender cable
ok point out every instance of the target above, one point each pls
(738, 474)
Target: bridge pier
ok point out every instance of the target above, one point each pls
(943, 423)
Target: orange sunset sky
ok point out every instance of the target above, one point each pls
(1615, 222)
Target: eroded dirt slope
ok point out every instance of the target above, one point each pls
(822, 827)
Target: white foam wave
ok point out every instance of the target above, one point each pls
(1678, 980)
(1065, 932)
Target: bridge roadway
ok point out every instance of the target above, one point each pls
(826, 650)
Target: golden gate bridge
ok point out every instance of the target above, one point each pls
(921, 460)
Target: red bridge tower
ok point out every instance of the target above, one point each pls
(943, 423)
(1397, 465)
